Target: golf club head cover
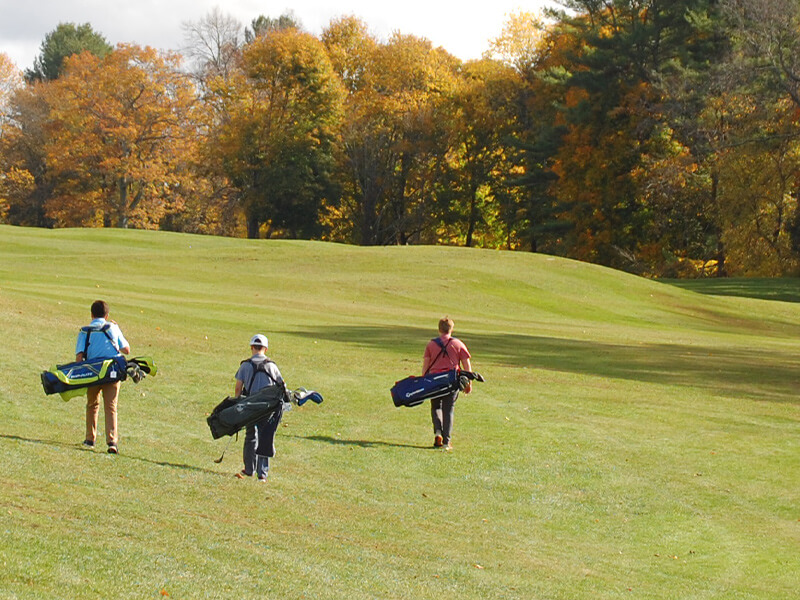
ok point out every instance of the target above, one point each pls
(301, 396)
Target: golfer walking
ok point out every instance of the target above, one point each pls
(100, 340)
(444, 353)
(255, 373)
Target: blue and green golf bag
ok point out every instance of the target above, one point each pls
(69, 380)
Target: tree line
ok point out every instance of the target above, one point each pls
(657, 136)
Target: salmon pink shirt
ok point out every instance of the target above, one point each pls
(451, 358)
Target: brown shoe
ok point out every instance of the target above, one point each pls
(241, 475)
(437, 441)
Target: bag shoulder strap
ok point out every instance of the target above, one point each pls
(260, 366)
(442, 351)
(89, 330)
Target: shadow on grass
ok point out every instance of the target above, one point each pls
(43, 442)
(786, 289)
(172, 465)
(160, 463)
(751, 373)
(360, 443)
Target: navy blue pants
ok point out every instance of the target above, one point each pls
(259, 444)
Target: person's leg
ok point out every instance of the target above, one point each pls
(92, 411)
(110, 396)
(266, 441)
(448, 412)
(436, 418)
(262, 467)
(249, 451)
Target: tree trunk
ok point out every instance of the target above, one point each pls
(252, 227)
(122, 185)
(369, 219)
(401, 238)
(473, 216)
(720, 246)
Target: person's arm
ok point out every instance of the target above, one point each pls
(244, 373)
(426, 363)
(467, 366)
(275, 373)
(122, 343)
(81, 343)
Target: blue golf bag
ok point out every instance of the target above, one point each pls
(414, 390)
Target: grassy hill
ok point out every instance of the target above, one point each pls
(633, 439)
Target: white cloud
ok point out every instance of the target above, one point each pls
(462, 30)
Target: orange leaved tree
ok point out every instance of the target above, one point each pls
(119, 136)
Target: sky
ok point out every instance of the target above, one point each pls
(462, 28)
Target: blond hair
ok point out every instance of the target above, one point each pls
(446, 325)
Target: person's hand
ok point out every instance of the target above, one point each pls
(468, 388)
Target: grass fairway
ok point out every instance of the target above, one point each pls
(633, 439)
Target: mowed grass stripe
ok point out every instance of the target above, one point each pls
(633, 439)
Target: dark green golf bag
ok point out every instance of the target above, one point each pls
(234, 414)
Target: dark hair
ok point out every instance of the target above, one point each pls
(99, 309)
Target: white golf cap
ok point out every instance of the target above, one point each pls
(259, 340)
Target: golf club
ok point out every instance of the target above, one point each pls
(230, 439)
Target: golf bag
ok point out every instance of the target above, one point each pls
(413, 391)
(69, 380)
(234, 414)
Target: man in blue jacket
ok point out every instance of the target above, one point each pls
(101, 339)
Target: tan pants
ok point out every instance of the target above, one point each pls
(110, 392)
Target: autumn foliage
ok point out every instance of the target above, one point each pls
(660, 138)
(120, 134)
